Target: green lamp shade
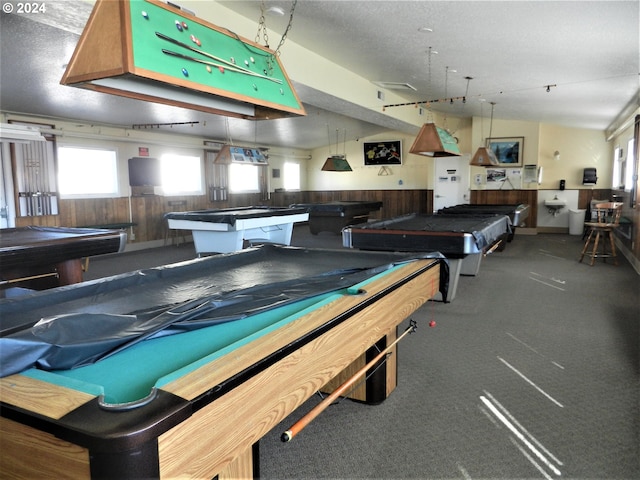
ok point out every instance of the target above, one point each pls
(336, 163)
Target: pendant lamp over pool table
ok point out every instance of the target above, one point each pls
(157, 52)
(484, 156)
(337, 162)
(434, 141)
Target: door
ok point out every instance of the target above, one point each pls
(451, 185)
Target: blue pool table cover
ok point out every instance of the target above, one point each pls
(64, 329)
(230, 215)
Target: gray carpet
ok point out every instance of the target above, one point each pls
(531, 372)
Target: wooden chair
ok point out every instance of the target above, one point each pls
(606, 219)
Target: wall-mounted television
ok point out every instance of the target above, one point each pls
(144, 172)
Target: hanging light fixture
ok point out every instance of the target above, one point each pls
(484, 156)
(337, 162)
(433, 141)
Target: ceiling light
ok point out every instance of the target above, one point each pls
(425, 30)
(433, 141)
(485, 157)
(336, 163)
(248, 155)
(165, 71)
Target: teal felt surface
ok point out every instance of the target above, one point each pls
(131, 374)
(211, 73)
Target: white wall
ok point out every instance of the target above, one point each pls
(414, 173)
(579, 149)
(561, 220)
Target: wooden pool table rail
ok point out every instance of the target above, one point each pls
(228, 419)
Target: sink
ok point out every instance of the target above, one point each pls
(555, 205)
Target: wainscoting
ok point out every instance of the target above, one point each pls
(394, 202)
(147, 211)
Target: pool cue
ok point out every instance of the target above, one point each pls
(31, 277)
(328, 400)
(217, 65)
(226, 64)
(492, 249)
(207, 62)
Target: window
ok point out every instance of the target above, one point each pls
(243, 178)
(87, 172)
(291, 176)
(618, 171)
(181, 175)
(631, 161)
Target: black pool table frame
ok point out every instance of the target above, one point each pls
(334, 216)
(45, 257)
(463, 239)
(518, 213)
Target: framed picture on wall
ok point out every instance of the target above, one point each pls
(383, 153)
(508, 150)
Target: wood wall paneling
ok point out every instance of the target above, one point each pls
(40, 221)
(148, 211)
(394, 202)
(509, 197)
(585, 196)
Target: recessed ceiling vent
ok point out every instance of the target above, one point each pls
(395, 85)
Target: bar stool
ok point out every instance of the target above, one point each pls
(607, 219)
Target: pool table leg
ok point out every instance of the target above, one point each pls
(70, 272)
(245, 466)
(144, 462)
(383, 379)
(455, 268)
(380, 380)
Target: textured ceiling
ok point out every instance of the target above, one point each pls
(589, 51)
(511, 49)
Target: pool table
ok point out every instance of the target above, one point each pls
(462, 239)
(225, 230)
(256, 333)
(45, 257)
(334, 216)
(518, 213)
